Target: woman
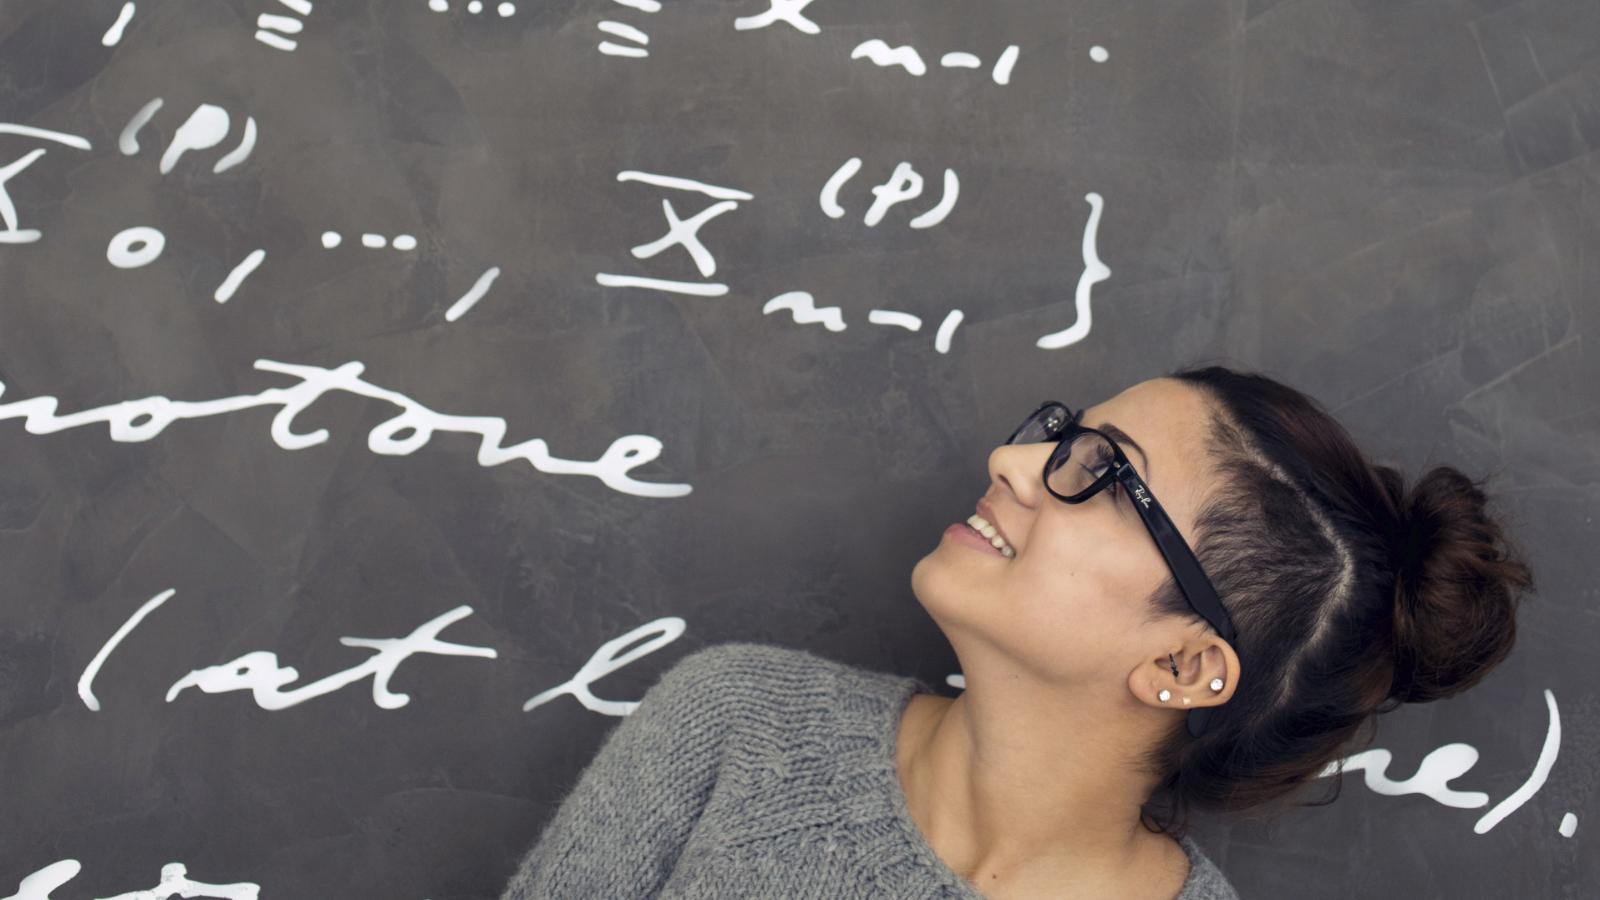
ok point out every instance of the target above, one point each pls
(1126, 658)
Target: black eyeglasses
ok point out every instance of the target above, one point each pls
(1085, 462)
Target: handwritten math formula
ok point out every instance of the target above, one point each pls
(547, 240)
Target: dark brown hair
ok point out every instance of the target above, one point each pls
(1349, 592)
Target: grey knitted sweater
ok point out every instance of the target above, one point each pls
(750, 770)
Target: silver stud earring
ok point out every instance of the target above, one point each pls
(1216, 684)
(1165, 695)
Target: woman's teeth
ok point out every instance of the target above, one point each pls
(982, 526)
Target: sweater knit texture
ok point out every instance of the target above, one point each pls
(755, 771)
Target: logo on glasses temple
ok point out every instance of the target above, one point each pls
(1140, 495)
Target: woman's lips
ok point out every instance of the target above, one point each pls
(963, 533)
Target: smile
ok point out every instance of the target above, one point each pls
(977, 532)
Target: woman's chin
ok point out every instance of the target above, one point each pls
(937, 582)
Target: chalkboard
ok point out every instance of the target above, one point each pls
(393, 390)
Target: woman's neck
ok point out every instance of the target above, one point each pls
(1013, 799)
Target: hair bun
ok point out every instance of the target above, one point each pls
(1457, 580)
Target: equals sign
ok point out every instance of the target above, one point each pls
(628, 31)
(267, 24)
(623, 31)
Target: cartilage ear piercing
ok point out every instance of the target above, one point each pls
(1165, 695)
(1174, 665)
(1216, 684)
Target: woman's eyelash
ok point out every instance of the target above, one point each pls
(1110, 461)
(1106, 459)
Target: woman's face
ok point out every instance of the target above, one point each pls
(1069, 607)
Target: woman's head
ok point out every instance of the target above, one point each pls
(1064, 606)
(1349, 592)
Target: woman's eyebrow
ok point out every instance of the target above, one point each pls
(1123, 438)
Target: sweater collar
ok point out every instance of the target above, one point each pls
(867, 713)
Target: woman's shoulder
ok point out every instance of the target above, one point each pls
(745, 677)
(744, 663)
(736, 654)
(1206, 880)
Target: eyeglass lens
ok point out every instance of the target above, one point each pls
(1076, 466)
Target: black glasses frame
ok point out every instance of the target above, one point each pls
(1060, 424)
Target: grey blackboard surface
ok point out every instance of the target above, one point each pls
(1394, 206)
